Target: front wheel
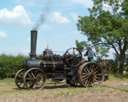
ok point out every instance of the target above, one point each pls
(34, 78)
(19, 79)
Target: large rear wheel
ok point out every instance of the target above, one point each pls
(90, 74)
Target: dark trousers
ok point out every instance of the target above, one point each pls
(90, 58)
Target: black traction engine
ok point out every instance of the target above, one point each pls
(70, 67)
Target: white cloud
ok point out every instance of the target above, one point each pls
(17, 16)
(59, 18)
(85, 3)
(3, 35)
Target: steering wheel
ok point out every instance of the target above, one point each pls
(72, 56)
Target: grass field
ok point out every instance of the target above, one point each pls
(113, 90)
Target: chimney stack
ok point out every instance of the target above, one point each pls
(33, 43)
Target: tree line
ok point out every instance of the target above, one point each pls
(9, 65)
(108, 24)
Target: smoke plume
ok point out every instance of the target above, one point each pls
(43, 15)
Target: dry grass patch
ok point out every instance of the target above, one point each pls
(114, 90)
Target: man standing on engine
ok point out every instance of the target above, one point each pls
(90, 54)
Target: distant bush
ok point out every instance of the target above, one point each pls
(10, 64)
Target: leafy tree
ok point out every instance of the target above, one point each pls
(102, 51)
(108, 24)
(80, 45)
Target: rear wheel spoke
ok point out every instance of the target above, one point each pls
(89, 74)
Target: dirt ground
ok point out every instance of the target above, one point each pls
(110, 91)
(83, 97)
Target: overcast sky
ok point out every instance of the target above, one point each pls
(59, 31)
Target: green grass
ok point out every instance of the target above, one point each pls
(118, 77)
(8, 88)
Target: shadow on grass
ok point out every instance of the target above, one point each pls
(52, 86)
(57, 86)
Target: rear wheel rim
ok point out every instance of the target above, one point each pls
(89, 74)
(99, 75)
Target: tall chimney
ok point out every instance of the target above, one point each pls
(33, 43)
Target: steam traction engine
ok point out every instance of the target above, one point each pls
(70, 67)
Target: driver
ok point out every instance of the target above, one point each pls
(90, 54)
(48, 52)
